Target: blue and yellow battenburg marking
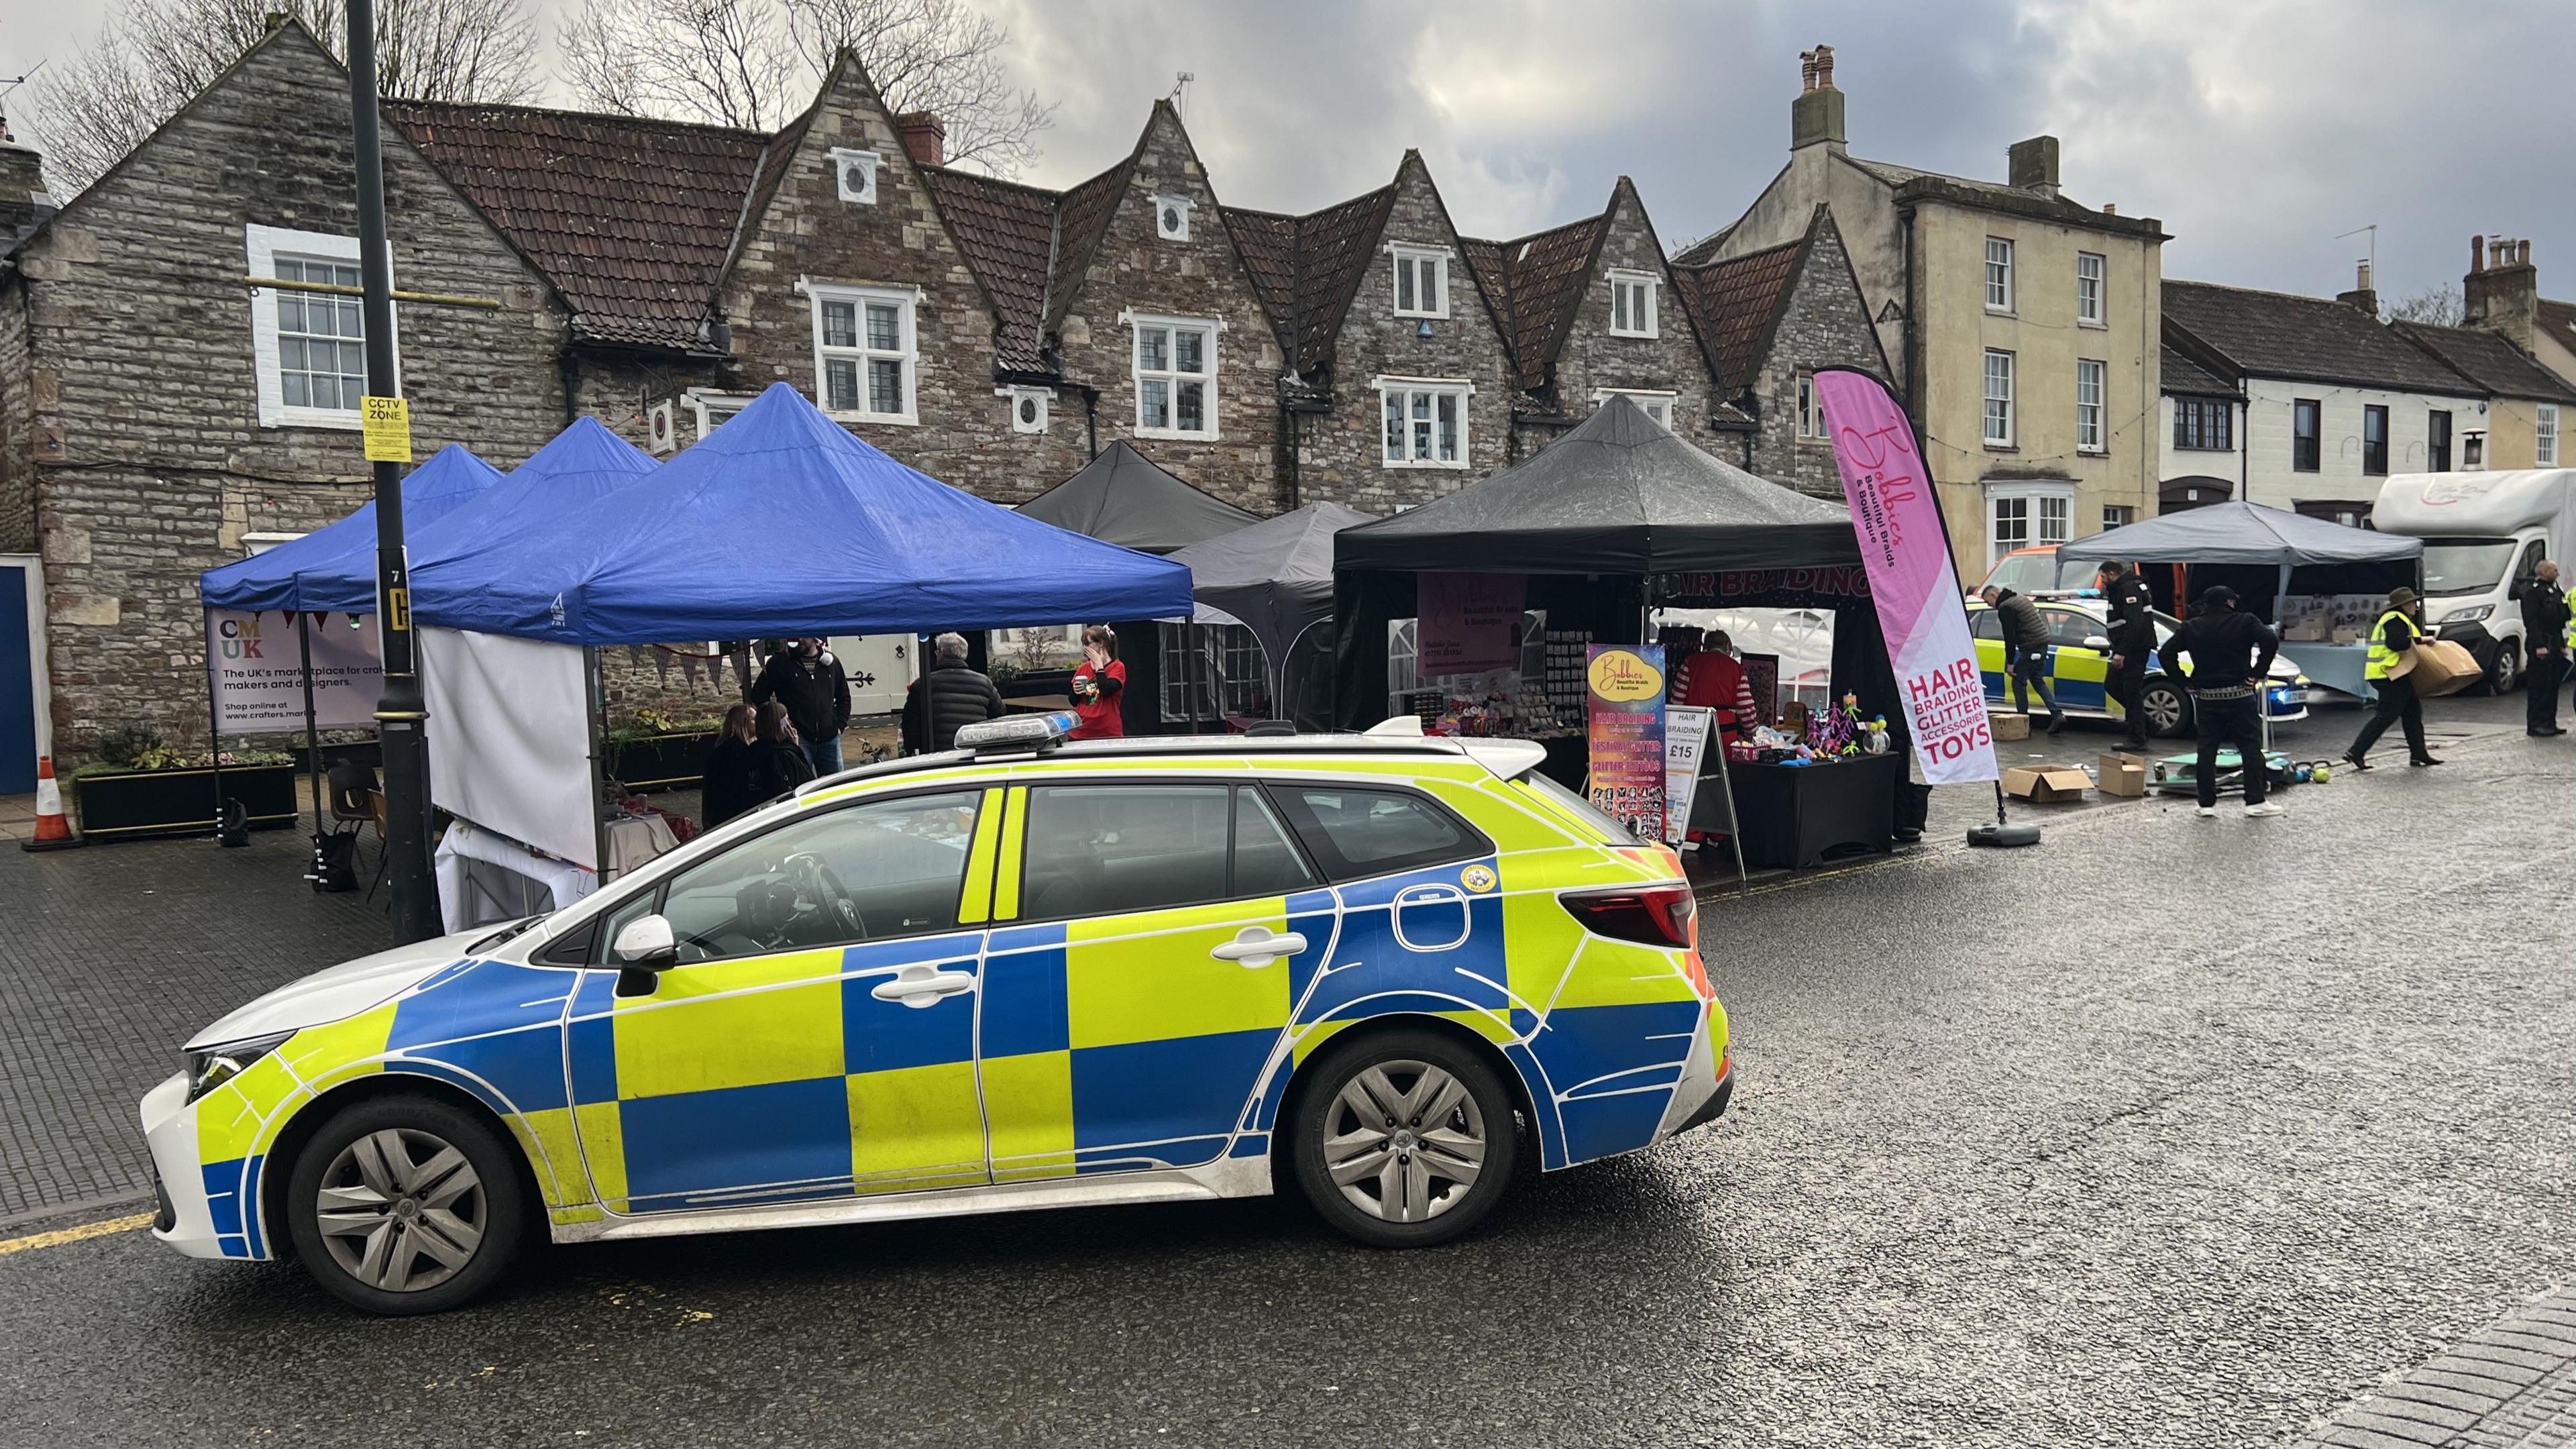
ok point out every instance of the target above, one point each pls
(1068, 1048)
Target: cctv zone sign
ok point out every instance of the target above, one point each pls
(256, 665)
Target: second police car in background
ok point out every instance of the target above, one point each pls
(2079, 657)
(1018, 975)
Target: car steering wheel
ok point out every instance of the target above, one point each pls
(834, 897)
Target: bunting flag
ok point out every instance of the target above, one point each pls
(1906, 548)
(742, 666)
(662, 668)
(635, 657)
(689, 671)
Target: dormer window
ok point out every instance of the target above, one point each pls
(855, 173)
(1172, 217)
(1421, 282)
(1632, 305)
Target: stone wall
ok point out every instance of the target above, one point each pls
(18, 422)
(1341, 453)
(1590, 359)
(141, 329)
(1824, 322)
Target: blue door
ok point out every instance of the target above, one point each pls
(17, 685)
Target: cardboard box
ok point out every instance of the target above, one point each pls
(2041, 787)
(2124, 776)
(2439, 667)
(2014, 726)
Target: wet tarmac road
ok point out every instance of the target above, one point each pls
(2167, 1132)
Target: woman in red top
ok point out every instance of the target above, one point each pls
(1097, 684)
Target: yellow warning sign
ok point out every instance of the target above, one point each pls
(387, 427)
(397, 609)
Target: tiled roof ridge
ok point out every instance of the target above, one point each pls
(623, 118)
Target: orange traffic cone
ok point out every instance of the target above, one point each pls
(53, 831)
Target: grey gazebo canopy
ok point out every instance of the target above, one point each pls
(2242, 533)
(1123, 497)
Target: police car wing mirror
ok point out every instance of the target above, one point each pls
(646, 944)
(2097, 643)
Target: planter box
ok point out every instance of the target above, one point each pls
(660, 762)
(135, 804)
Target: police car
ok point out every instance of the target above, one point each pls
(1021, 974)
(2079, 667)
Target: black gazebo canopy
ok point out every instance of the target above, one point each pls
(1125, 498)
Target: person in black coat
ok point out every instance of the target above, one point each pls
(2133, 638)
(947, 699)
(2025, 651)
(2231, 659)
(2544, 633)
(808, 679)
(726, 790)
(777, 763)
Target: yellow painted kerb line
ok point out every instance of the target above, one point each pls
(60, 1236)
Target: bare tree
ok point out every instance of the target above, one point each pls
(2440, 306)
(153, 56)
(755, 63)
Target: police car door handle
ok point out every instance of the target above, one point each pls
(1254, 947)
(922, 985)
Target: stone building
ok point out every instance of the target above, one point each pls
(2022, 324)
(657, 275)
(2501, 294)
(162, 400)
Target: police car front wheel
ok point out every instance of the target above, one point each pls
(405, 1204)
(1404, 1139)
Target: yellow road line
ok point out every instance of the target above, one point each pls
(60, 1236)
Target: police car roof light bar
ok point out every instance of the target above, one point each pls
(1017, 734)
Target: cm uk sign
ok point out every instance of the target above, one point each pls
(255, 664)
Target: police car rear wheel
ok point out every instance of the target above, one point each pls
(1404, 1139)
(405, 1205)
(2167, 710)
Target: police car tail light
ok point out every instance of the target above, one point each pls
(1655, 916)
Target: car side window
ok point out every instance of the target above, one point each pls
(1986, 623)
(2069, 628)
(1266, 861)
(1100, 850)
(862, 873)
(1354, 832)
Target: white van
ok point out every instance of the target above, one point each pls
(2484, 536)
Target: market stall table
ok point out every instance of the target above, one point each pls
(1797, 815)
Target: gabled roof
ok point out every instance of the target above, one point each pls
(1307, 268)
(1914, 183)
(2490, 361)
(1082, 222)
(1006, 231)
(2183, 373)
(631, 219)
(1535, 283)
(1737, 305)
(2557, 321)
(2314, 339)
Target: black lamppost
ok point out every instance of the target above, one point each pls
(401, 712)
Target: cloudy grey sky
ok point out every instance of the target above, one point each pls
(2257, 129)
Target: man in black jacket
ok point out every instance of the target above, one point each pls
(2025, 651)
(807, 679)
(2133, 638)
(947, 699)
(2544, 633)
(2231, 658)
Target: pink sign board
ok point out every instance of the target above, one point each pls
(1911, 579)
(1464, 623)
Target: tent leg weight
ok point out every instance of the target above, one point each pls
(2020, 833)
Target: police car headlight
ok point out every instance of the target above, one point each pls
(217, 1065)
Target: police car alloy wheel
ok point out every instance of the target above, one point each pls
(405, 1205)
(1404, 1139)
(2167, 710)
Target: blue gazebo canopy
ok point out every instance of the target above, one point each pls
(334, 567)
(781, 523)
(585, 463)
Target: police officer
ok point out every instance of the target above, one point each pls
(2545, 629)
(2133, 638)
(2396, 632)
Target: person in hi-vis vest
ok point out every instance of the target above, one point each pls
(2397, 631)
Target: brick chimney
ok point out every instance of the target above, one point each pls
(1816, 116)
(925, 137)
(2034, 164)
(23, 201)
(2362, 295)
(2501, 293)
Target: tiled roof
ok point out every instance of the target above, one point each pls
(630, 219)
(1542, 274)
(1082, 220)
(2181, 372)
(1734, 303)
(1006, 231)
(1306, 268)
(2000, 196)
(2278, 334)
(2558, 321)
(2490, 361)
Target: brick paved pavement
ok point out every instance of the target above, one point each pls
(110, 957)
(2509, 1385)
